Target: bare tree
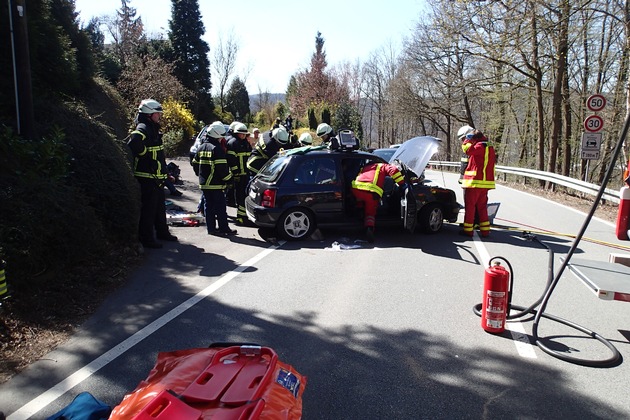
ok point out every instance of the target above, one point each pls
(225, 54)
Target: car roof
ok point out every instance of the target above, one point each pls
(323, 150)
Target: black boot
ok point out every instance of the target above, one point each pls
(369, 233)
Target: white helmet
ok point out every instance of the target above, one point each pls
(149, 106)
(461, 133)
(280, 134)
(306, 139)
(216, 130)
(232, 125)
(239, 127)
(323, 129)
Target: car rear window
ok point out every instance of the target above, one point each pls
(273, 169)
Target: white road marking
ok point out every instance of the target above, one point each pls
(47, 397)
(524, 347)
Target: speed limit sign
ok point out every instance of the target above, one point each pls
(596, 102)
(593, 123)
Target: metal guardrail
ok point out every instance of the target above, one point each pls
(572, 183)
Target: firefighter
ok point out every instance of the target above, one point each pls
(210, 164)
(368, 189)
(238, 152)
(305, 139)
(478, 179)
(463, 162)
(266, 149)
(150, 170)
(326, 133)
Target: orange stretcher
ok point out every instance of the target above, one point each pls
(220, 382)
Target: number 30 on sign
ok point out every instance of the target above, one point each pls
(593, 123)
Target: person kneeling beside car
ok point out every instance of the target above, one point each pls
(368, 189)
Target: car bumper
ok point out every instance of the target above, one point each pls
(261, 216)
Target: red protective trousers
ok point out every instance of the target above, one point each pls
(476, 201)
(370, 205)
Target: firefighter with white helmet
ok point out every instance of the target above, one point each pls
(266, 149)
(326, 133)
(478, 179)
(149, 168)
(305, 139)
(238, 151)
(210, 164)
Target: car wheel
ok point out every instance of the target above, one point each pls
(296, 224)
(431, 218)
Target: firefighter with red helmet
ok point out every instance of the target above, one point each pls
(367, 188)
(478, 179)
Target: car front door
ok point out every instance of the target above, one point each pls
(409, 210)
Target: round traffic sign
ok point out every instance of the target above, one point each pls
(593, 123)
(596, 102)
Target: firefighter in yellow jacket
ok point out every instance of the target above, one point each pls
(368, 189)
(478, 179)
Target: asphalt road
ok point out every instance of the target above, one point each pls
(381, 331)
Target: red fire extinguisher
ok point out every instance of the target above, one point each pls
(623, 212)
(496, 298)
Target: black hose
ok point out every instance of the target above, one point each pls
(613, 360)
(616, 358)
(616, 355)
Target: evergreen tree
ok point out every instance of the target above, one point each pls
(237, 100)
(128, 33)
(326, 116)
(63, 11)
(347, 116)
(312, 121)
(192, 66)
(53, 64)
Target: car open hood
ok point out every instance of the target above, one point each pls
(416, 152)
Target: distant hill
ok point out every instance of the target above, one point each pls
(274, 98)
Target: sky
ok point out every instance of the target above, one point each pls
(276, 38)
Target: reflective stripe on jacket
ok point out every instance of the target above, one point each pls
(372, 177)
(210, 164)
(480, 170)
(146, 146)
(237, 155)
(262, 152)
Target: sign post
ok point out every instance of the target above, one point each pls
(593, 124)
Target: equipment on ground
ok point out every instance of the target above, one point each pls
(623, 214)
(495, 303)
(226, 380)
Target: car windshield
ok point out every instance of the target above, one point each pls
(273, 168)
(385, 153)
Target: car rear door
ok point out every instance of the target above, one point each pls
(318, 186)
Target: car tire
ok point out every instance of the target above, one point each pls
(431, 218)
(296, 224)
